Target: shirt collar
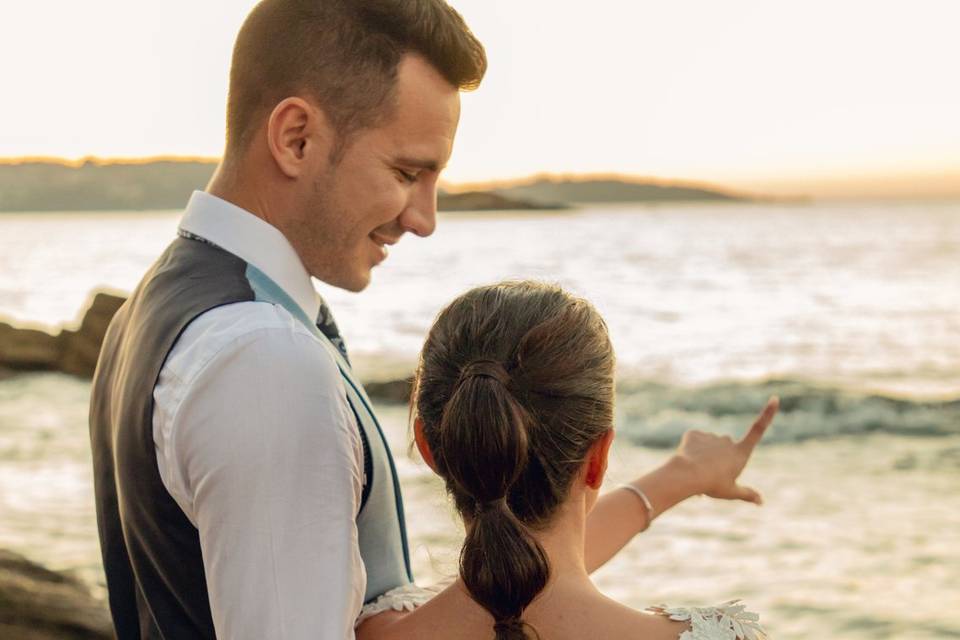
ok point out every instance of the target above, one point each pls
(254, 240)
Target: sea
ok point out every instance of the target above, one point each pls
(850, 312)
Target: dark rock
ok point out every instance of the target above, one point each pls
(69, 351)
(80, 349)
(392, 391)
(76, 352)
(39, 604)
(28, 349)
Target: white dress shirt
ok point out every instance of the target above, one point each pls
(257, 444)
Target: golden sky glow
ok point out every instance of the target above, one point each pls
(763, 94)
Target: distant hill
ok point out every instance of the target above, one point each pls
(490, 201)
(167, 184)
(162, 184)
(575, 190)
(49, 186)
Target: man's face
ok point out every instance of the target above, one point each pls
(384, 185)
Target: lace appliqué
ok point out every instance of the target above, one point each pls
(729, 621)
(404, 598)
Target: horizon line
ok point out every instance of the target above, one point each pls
(629, 178)
(449, 186)
(493, 182)
(98, 160)
(860, 185)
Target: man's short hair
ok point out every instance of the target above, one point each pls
(343, 54)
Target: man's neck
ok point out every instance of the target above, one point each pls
(227, 184)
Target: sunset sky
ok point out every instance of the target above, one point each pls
(823, 97)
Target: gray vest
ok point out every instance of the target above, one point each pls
(151, 551)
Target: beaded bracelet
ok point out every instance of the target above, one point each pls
(646, 502)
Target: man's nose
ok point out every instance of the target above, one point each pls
(420, 216)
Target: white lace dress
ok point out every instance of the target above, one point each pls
(728, 621)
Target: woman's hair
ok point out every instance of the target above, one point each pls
(514, 385)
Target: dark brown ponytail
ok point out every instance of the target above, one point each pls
(514, 386)
(503, 567)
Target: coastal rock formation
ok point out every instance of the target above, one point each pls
(392, 391)
(39, 604)
(69, 351)
(28, 349)
(80, 349)
(76, 352)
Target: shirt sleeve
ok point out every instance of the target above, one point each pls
(271, 463)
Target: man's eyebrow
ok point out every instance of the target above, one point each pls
(430, 165)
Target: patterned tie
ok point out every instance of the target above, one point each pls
(183, 233)
(328, 326)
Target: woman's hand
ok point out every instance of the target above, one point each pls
(714, 462)
(704, 463)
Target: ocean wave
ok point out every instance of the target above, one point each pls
(656, 415)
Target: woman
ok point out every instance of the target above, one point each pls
(514, 410)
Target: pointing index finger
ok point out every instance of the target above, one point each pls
(759, 426)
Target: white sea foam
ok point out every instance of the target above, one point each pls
(655, 415)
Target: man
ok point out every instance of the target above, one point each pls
(243, 486)
(244, 489)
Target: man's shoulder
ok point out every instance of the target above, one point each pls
(251, 328)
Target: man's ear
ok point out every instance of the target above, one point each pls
(298, 136)
(422, 445)
(597, 460)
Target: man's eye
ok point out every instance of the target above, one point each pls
(409, 177)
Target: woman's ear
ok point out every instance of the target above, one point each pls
(597, 460)
(422, 445)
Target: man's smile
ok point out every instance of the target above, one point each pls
(382, 242)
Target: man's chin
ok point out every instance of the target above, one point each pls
(358, 285)
(353, 282)
(349, 275)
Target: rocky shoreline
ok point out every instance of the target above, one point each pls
(39, 604)
(75, 352)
